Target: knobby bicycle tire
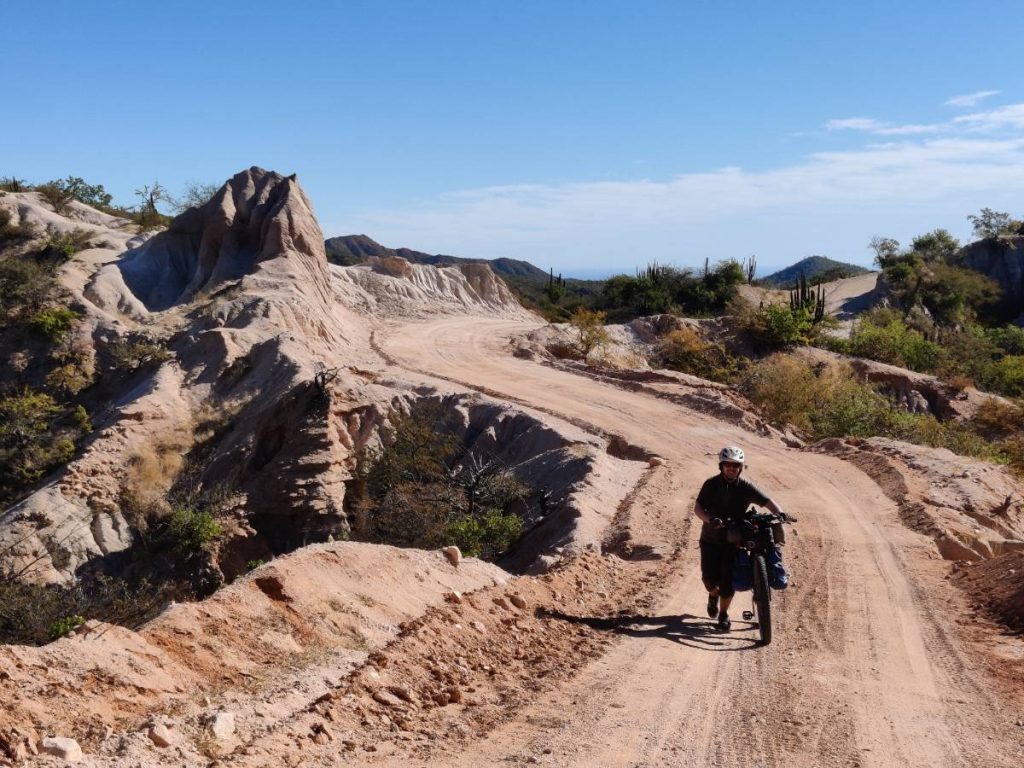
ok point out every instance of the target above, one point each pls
(762, 599)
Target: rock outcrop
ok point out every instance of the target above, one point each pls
(1001, 259)
(256, 219)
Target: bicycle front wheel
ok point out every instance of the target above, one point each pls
(762, 599)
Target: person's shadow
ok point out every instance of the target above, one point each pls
(693, 631)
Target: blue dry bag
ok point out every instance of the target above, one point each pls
(742, 573)
(777, 576)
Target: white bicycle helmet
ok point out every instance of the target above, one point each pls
(731, 453)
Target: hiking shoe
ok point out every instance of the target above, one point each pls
(724, 623)
(712, 606)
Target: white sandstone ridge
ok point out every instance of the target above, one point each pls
(393, 287)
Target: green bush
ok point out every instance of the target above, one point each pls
(59, 192)
(1009, 339)
(31, 440)
(64, 245)
(487, 536)
(895, 343)
(63, 626)
(590, 331)
(414, 493)
(658, 289)
(773, 326)
(53, 322)
(1006, 376)
(191, 529)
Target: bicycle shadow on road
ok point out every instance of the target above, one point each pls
(685, 629)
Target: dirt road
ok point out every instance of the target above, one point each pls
(867, 667)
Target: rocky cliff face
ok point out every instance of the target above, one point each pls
(1003, 261)
(265, 393)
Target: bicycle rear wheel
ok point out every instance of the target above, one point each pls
(762, 599)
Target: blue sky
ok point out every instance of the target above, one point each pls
(585, 136)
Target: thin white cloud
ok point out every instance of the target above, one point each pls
(970, 99)
(853, 124)
(1010, 116)
(879, 128)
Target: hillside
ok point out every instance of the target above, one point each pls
(814, 268)
(347, 250)
(529, 283)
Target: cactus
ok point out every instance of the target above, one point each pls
(750, 267)
(804, 297)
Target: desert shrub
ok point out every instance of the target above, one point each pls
(658, 289)
(487, 536)
(13, 184)
(26, 286)
(57, 194)
(64, 625)
(53, 322)
(418, 448)
(412, 515)
(1012, 449)
(996, 418)
(590, 331)
(64, 245)
(7, 229)
(82, 419)
(773, 326)
(195, 195)
(828, 401)
(415, 491)
(1009, 339)
(850, 408)
(136, 352)
(35, 614)
(32, 439)
(1006, 376)
(191, 528)
(787, 390)
(68, 379)
(684, 350)
(889, 339)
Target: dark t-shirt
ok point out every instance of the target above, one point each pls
(728, 501)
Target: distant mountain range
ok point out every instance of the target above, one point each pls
(355, 249)
(815, 268)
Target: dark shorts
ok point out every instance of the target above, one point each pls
(716, 563)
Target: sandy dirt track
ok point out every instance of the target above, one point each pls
(867, 667)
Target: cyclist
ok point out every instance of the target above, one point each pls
(723, 499)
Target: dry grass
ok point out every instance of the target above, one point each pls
(152, 470)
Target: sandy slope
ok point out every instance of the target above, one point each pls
(867, 667)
